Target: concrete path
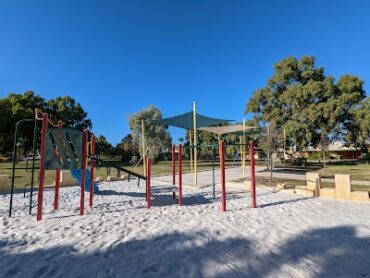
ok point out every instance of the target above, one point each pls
(206, 177)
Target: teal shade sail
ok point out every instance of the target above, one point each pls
(186, 121)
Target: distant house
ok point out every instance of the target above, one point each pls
(337, 150)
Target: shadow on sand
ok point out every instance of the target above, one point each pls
(330, 252)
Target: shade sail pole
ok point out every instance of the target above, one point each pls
(191, 150)
(244, 154)
(195, 144)
(241, 150)
(143, 146)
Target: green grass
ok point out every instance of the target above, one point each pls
(359, 172)
(23, 177)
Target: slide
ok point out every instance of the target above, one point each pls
(76, 173)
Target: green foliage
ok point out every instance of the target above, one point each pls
(157, 137)
(15, 107)
(310, 106)
(12, 109)
(208, 138)
(359, 130)
(69, 111)
(127, 149)
(102, 146)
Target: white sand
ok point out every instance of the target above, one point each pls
(286, 236)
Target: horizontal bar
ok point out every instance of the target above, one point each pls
(214, 146)
(118, 167)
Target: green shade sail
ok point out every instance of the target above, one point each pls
(230, 129)
(186, 121)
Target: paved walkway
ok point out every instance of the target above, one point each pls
(206, 177)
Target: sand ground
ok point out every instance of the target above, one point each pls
(286, 236)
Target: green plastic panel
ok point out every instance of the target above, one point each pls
(65, 143)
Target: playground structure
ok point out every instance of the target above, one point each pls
(222, 147)
(61, 149)
(192, 121)
(71, 149)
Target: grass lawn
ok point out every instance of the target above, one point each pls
(359, 172)
(23, 177)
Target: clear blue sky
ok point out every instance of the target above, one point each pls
(116, 57)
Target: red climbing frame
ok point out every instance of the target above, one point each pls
(180, 174)
(223, 180)
(57, 176)
(173, 170)
(40, 195)
(173, 164)
(92, 165)
(253, 176)
(148, 171)
(83, 172)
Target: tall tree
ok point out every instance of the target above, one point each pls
(157, 137)
(270, 141)
(359, 131)
(126, 148)
(13, 108)
(102, 146)
(69, 111)
(310, 106)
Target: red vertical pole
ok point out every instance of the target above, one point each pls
(57, 174)
(223, 180)
(173, 169)
(173, 164)
(148, 170)
(92, 165)
(180, 174)
(42, 166)
(83, 172)
(253, 177)
(146, 188)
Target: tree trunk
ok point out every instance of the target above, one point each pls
(324, 160)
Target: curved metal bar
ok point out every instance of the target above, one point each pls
(14, 160)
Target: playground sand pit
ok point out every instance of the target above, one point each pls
(286, 236)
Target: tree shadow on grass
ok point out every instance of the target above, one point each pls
(329, 252)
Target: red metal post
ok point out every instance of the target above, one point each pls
(92, 165)
(57, 174)
(42, 166)
(180, 174)
(148, 170)
(173, 169)
(253, 177)
(223, 179)
(146, 181)
(83, 172)
(173, 164)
